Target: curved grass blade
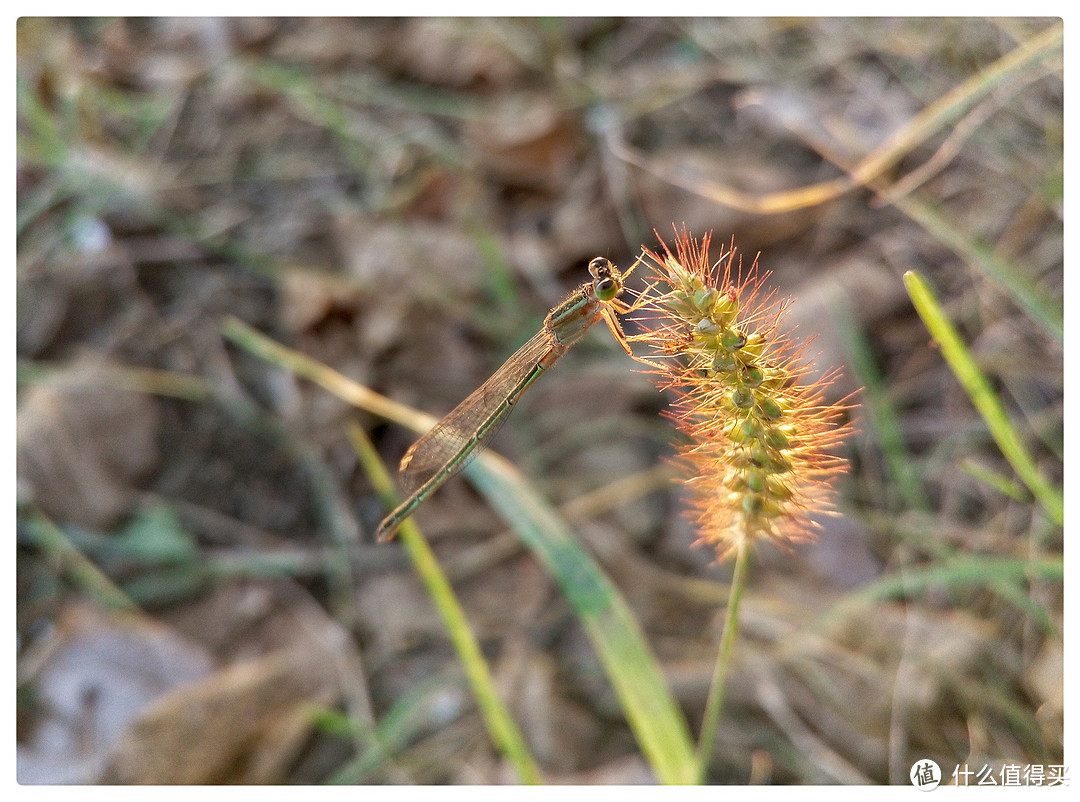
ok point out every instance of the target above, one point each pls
(982, 396)
(630, 665)
(501, 726)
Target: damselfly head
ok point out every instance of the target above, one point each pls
(607, 282)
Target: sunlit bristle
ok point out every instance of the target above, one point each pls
(760, 432)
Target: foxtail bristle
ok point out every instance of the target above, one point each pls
(761, 435)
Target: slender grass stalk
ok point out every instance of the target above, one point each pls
(1044, 310)
(504, 732)
(880, 416)
(1009, 577)
(165, 383)
(983, 396)
(940, 114)
(715, 703)
(258, 344)
(1005, 485)
(82, 572)
(615, 634)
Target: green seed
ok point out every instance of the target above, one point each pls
(742, 398)
(732, 340)
(771, 410)
(776, 439)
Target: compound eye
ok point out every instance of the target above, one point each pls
(606, 288)
(600, 267)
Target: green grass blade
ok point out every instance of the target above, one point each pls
(504, 731)
(982, 396)
(880, 413)
(1007, 576)
(56, 546)
(630, 665)
(1045, 311)
(1005, 485)
(406, 720)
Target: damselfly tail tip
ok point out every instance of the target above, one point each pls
(386, 531)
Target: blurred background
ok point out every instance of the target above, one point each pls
(199, 598)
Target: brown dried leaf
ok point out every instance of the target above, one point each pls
(82, 445)
(452, 52)
(400, 267)
(388, 256)
(244, 723)
(309, 296)
(214, 723)
(1046, 679)
(526, 139)
(93, 675)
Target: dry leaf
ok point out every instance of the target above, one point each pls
(526, 140)
(92, 676)
(247, 722)
(309, 296)
(82, 446)
(214, 723)
(449, 52)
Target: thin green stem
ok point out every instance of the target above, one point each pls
(501, 726)
(715, 703)
(1041, 308)
(983, 396)
(615, 633)
(80, 570)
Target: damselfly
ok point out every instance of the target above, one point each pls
(447, 448)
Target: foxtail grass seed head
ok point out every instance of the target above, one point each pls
(759, 432)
